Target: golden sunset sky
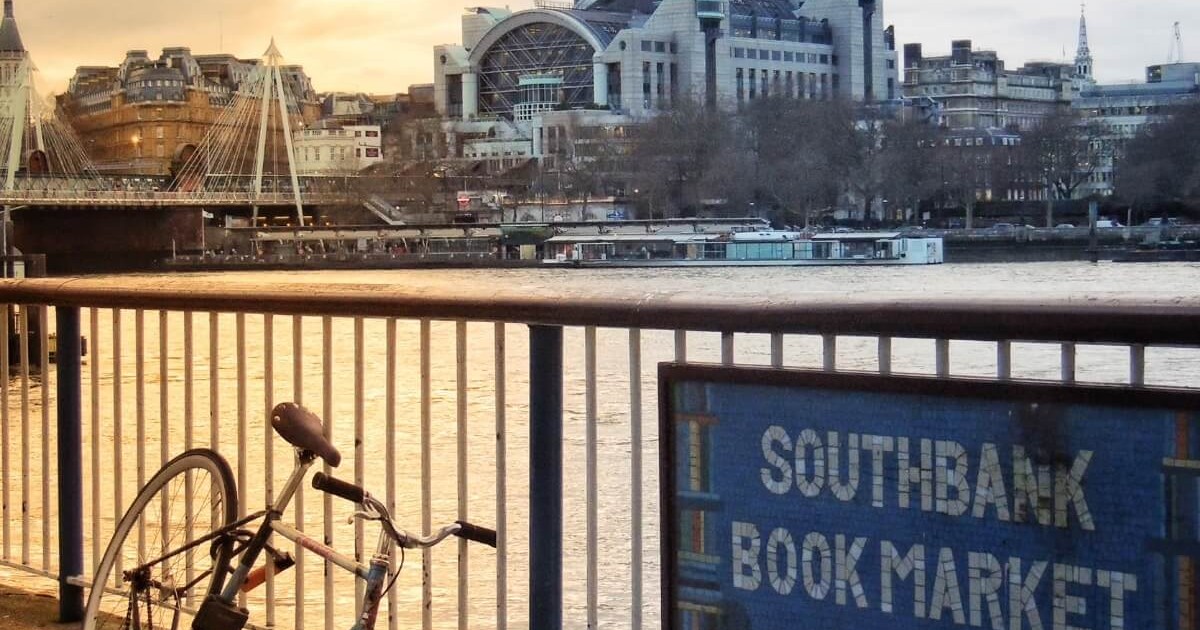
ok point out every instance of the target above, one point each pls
(383, 46)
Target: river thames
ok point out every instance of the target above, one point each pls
(304, 378)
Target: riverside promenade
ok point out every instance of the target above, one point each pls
(27, 603)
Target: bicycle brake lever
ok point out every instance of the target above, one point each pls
(366, 516)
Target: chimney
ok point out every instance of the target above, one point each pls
(913, 55)
(960, 52)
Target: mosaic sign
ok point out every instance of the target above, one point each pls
(800, 499)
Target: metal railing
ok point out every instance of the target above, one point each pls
(453, 411)
(156, 199)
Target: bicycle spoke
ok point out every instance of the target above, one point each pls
(171, 575)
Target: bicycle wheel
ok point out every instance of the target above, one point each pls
(144, 580)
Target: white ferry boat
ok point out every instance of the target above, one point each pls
(760, 248)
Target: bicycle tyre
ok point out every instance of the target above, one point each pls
(109, 600)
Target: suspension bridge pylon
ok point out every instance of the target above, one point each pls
(249, 149)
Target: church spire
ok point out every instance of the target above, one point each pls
(1083, 56)
(8, 9)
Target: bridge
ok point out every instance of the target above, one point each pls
(82, 219)
(245, 162)
(158, 199)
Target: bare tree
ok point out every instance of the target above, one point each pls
(674, 154)
(1162, 164)
(794, 157)
(1066, 151)
(910, 160)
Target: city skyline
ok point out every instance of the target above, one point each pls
(379, 46)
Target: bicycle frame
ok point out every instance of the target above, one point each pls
(373, 573)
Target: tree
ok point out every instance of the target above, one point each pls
(674, 154)
(795, 156)
(1066, 151)
(910, 158)
(869, 163)
(1162, 164)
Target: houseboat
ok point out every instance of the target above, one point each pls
(759, 248)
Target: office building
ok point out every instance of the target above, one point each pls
(507, 87)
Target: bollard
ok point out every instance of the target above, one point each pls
(70, 465)
(545, 477)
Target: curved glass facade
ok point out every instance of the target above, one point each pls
(542, 49)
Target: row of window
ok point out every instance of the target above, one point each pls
(484, 154)
(156, 83)
(783, 55)
(340, 133)
(754, 83)
(649, 45)
(654, 85)
(313, 154)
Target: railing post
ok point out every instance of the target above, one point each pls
(70, 465)
(545, 477)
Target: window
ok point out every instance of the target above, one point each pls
(660, 47)
(158, 133)
(741, 86)
(646, 84)
(835, 60)
(765, 89)
(825, 59)
(357, 153)
(891, 64)
(372, 153)
(753, 84)
(372, 134)
(358, 133)
(647, 46)
(739, 53)
(674, 48)
(776, 55)
(788, 56)
(751, 53)
(660, 88)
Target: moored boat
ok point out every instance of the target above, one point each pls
(759, 248)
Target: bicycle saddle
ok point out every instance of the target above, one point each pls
(303, 429)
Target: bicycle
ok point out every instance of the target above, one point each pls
(166, 579)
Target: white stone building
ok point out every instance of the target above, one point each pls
(613, 63)
(332, 149)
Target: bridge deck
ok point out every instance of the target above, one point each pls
(153, 199)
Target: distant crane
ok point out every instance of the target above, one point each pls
(1175, 54)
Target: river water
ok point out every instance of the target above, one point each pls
(299, 375)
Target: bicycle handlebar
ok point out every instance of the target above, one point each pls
(338, 488)
(374, 510)
(476, 533)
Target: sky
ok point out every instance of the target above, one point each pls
(383, 46)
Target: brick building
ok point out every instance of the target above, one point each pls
(146, 116)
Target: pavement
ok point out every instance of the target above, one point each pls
(24, 604)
